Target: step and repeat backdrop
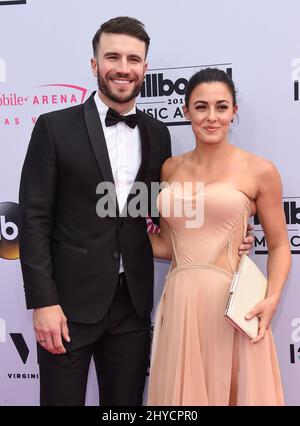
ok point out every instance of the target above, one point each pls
(45, 51)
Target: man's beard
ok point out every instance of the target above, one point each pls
(104, 88)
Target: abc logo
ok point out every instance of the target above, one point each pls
(9, 231)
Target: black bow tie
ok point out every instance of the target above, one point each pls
(113, 117)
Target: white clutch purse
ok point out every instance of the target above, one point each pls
(248, 287)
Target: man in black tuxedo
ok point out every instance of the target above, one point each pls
(89, 277)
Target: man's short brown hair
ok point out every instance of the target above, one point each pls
(122, 25)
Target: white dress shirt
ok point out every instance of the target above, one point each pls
(124, 150)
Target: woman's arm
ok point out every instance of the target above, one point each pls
(161, 243)
(272, 219)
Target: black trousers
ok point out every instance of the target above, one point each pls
(119, 344)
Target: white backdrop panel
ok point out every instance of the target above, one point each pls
(49, 42)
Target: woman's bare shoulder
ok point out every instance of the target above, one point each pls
(261, 166)
(171, 165)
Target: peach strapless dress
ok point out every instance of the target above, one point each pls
(198, 358)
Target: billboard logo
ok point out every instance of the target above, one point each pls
(156, 85)
(296, 77)
(162, 93)
(9, 231)
(291, 206)
(295, 337)
(2, 71)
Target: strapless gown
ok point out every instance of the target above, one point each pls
(198, 358)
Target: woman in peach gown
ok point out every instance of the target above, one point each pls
(198, 358)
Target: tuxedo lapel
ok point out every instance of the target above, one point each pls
(97, 140)
(145, 153)
(145, 149)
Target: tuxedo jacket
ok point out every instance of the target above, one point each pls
(69, 255)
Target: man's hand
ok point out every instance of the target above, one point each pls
(247, 244)
(49, 325)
